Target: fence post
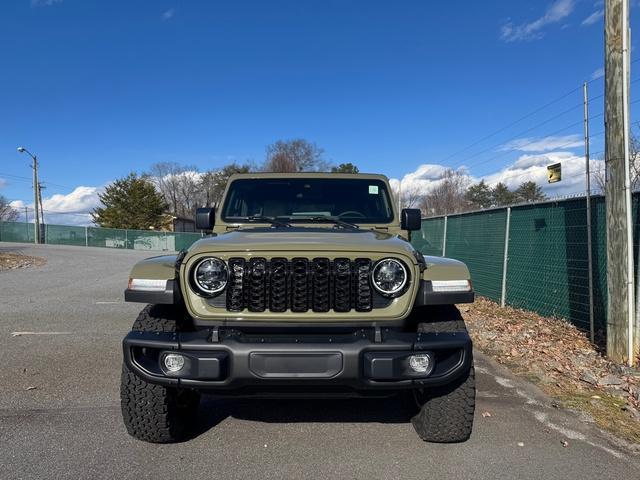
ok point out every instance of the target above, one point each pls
(126, 239)
(86, 236)
(503, 296)
(444, 237)
(166, 245)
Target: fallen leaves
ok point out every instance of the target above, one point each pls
(12, 261)
(557, 356)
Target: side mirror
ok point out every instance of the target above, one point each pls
(205, 218)
(410, 219)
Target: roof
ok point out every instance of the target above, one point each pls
(364, 176)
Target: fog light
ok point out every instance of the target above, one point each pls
(173, 362)
(421, 363)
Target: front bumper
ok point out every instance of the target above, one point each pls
(366, 360)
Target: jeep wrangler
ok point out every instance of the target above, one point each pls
(307, 285)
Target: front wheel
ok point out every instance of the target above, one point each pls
(445, 414)
(155, 413)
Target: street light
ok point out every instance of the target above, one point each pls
(36, 193)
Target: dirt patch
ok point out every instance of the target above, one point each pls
(12, 261)
(561, 360)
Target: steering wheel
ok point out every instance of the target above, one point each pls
(352, 213)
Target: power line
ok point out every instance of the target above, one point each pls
(524, 117)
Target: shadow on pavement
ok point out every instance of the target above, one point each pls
(214, 410)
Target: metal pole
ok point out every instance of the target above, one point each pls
(36, 185)
(86, 236)
(585, 93)
(444, 237)
(505, 260)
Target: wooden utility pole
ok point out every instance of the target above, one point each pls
(620, 281)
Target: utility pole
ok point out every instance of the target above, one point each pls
(42, 225)
(585, 94)
(36, 193)
(36, 196)
(620, 281)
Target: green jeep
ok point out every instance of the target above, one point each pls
(307, 286)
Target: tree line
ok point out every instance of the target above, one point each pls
(168, 189)
(455, 194)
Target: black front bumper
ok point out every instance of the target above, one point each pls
(366, 360)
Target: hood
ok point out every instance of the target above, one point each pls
(304, 239)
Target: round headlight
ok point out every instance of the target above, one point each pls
(210, 275)
(389, 276)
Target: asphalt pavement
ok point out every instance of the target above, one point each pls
(60, 331)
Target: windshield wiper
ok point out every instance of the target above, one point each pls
(335, 220)
(272, 220)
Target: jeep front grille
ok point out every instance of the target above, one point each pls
(299, 285)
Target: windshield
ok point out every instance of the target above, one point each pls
(298, 199)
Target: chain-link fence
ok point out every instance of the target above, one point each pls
(540, 263)
(99, 237)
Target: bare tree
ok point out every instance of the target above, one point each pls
(7, 212)
(297, 155)
(449, 196)
(600, 175)
(179, 185)
(411, 196)
(213, 182)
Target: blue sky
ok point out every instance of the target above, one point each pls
(100, 88)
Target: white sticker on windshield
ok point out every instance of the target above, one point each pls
(373, 189)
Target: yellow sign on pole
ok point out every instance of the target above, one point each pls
(554, 173)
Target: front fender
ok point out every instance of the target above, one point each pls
(153, 280)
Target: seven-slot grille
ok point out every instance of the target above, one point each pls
(300, 284)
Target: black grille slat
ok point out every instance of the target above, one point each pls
(363, 294)
(342, 285)
(235, 290)
(299, 285)
(321, 273)
(256, 285)
(299, 281)
(278, 272)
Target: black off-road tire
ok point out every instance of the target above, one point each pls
(445, 414)
(155, 413)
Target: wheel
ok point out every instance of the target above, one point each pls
(445, 414)
(155, 413)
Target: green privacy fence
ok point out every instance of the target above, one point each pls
(546, 266)
(99, 237)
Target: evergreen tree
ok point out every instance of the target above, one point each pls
(529, 192)
(479, 195)
(345, 168)
(502, 195)
(131, 202)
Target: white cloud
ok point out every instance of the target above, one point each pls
(533, 30)
(599, 72)
(71, 209)
(542, 144)
(525, 168)
(593, 18)
(534, 168)
(168, 14)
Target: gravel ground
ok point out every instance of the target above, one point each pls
(60, 418)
